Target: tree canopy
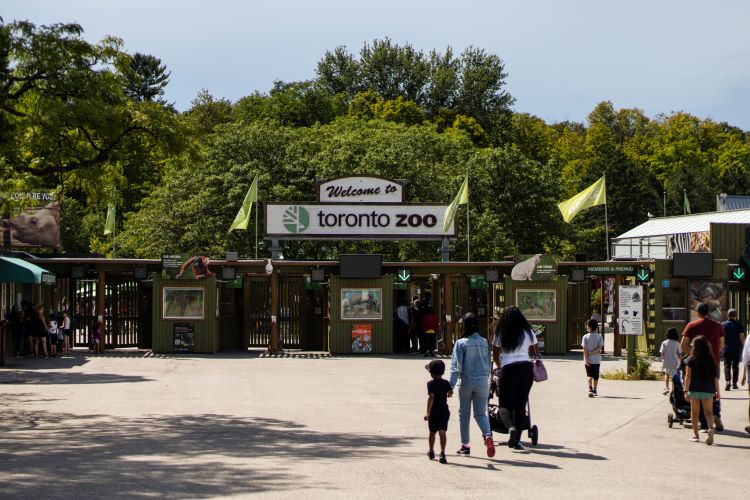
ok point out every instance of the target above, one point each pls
(89, 121)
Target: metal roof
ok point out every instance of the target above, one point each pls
(732, 202)
(695, 223)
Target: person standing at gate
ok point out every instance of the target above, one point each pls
(415, 331)
(470, 363)
(402, 326)
(715, 335)
(39, 331)
(734, 338)
(429, 326)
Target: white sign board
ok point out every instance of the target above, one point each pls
(360, 190)
(630, 301)
(324, 221)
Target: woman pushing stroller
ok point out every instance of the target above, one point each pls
(516, 341)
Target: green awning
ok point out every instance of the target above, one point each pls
(14, 270)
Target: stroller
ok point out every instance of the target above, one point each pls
(680, 406)
(493, 410)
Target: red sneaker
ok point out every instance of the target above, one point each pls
(490, 445)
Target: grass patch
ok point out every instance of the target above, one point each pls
(641, 371)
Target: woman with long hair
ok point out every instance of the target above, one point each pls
(512, 349)
(702, 383)
(39, 330)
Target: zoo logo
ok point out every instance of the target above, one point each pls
(296, 219)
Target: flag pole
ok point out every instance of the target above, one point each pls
(468, 226)
(256, 221)
(665, 203)
(606, 222)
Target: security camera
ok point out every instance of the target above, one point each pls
(269, 267)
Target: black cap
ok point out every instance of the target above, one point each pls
(703, 309)
(435, 367)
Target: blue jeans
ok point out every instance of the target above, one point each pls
(473, 392)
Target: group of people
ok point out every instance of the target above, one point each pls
(702, 344)
(514, 346)
(38, 335)
(417, 328)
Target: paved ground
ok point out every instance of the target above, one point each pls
(137, 425)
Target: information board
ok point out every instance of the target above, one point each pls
(183, 337)
(630, 303)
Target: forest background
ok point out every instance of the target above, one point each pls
(88, 120)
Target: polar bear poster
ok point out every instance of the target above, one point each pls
(524, 270)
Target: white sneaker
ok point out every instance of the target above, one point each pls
(665, 391)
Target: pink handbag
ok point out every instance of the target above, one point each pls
(540, 371)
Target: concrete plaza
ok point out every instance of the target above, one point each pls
(133, 424)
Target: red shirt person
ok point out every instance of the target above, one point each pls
(707, 327)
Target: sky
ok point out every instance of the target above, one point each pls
(562, 57)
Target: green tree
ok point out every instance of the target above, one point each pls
(398, 110)
(145, 77)
(68, 109)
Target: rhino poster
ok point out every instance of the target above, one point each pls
(37, 225)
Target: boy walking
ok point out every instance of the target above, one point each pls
(437, 415)
(592, 344)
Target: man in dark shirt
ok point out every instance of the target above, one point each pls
(734, 339)
(715, 335)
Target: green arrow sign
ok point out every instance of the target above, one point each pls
(642, 275)
(404, 275)
(738, 273)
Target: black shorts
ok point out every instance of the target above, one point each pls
(438, 420)
(592, 371)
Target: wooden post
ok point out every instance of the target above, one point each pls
(616, 299)
(101, 305)
(274, 291)
(448, 311)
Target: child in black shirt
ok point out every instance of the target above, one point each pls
(437, 415)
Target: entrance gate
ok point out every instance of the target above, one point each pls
(122, 320)
(291, 311)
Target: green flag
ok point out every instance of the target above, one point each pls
(109, 225)
(461, 198)
(685, 202)
(595, 194)
(243, 215)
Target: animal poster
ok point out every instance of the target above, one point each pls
(362, 338)
(34, 226)
(536, 267)
(361, 304)
(185, 266)
(183, 302)
(630, 302)
(536, 304)
(713, 293)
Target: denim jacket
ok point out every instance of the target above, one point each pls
(471, 359)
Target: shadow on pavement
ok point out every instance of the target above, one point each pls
(170, 456)
(17, 377)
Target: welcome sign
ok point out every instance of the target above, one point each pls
(358, 189)
(355, 221)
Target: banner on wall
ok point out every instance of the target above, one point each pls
(362, 338)
(185, 266)
(630, 303)
(37, 225)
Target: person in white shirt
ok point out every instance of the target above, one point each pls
(516, 341)
(745, 370)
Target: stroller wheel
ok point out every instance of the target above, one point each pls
(534, 435)
(670, 420)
